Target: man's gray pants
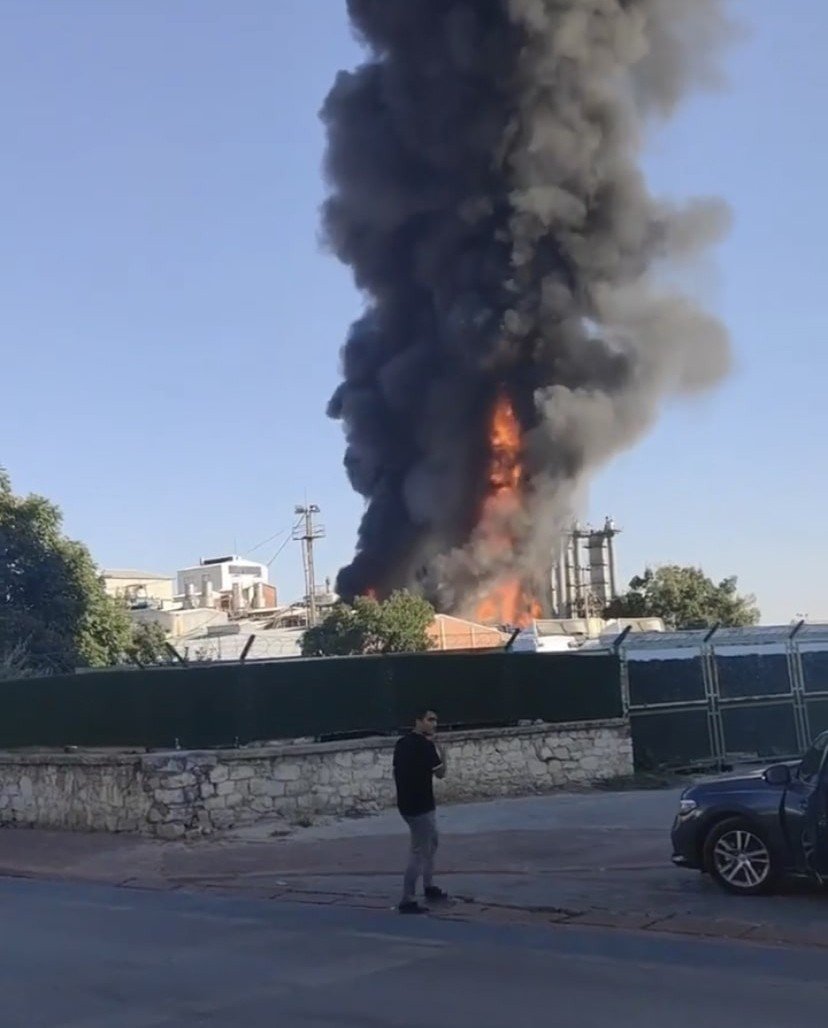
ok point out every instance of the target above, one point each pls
(424, 841)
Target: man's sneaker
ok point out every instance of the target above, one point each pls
(435, 895)
(411, 907)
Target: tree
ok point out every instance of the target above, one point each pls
(684, 597)
(52, 602)
(148, 645)
(397, 625)
(14, 664)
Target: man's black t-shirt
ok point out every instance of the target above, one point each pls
(415, 761)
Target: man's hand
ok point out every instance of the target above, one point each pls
(440, 770)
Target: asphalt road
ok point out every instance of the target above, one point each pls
(78, 956)
(606, 851)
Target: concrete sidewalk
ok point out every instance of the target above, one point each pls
(593, 858)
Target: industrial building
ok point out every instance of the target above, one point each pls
(584, 578)
(200, 634)
(230, 583)
(138, 588)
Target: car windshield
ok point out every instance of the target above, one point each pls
(812, 761)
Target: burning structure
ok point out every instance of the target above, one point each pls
(521, 322)
(584, 575)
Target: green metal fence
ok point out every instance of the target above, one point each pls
(228, 704)
(711, 697)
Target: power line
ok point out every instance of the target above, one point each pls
(290, 532)
(264, 542)
(276, 554)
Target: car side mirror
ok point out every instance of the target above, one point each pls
(778, 774)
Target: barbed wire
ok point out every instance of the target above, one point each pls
(249, 647)
(264, 648)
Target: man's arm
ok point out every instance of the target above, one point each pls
(440, 769)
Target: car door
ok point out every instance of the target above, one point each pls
(818, 814)
(806, 810)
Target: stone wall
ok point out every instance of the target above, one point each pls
(178, 794)
(98, 792)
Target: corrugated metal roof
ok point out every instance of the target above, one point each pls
(269, 644)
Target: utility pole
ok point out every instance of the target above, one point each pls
(306, 532)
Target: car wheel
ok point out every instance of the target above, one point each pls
(739, 858)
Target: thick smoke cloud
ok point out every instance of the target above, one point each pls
(486, 192)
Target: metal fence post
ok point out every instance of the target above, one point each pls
(710, 675)
(511, 640)
(623, 669)
(174, 652)
(246, 650)
(796, 677)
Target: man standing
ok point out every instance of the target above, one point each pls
(417, 759)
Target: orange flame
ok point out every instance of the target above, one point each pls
(507, 602)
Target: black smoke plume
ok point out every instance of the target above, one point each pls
(487, 193)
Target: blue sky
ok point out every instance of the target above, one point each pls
(170, 324)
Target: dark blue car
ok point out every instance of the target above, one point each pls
(751, 831)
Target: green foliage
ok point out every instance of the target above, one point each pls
(14, 663)
(684, 597)
(148, 645)
(397, 625)
(345, 630)
(405, 622)
(52, 602)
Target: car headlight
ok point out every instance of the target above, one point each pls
(687, 806)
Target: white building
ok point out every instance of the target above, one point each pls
(218, 575)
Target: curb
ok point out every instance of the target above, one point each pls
(466, 908)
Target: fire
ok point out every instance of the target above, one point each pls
(505, 471)
(508, 602)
